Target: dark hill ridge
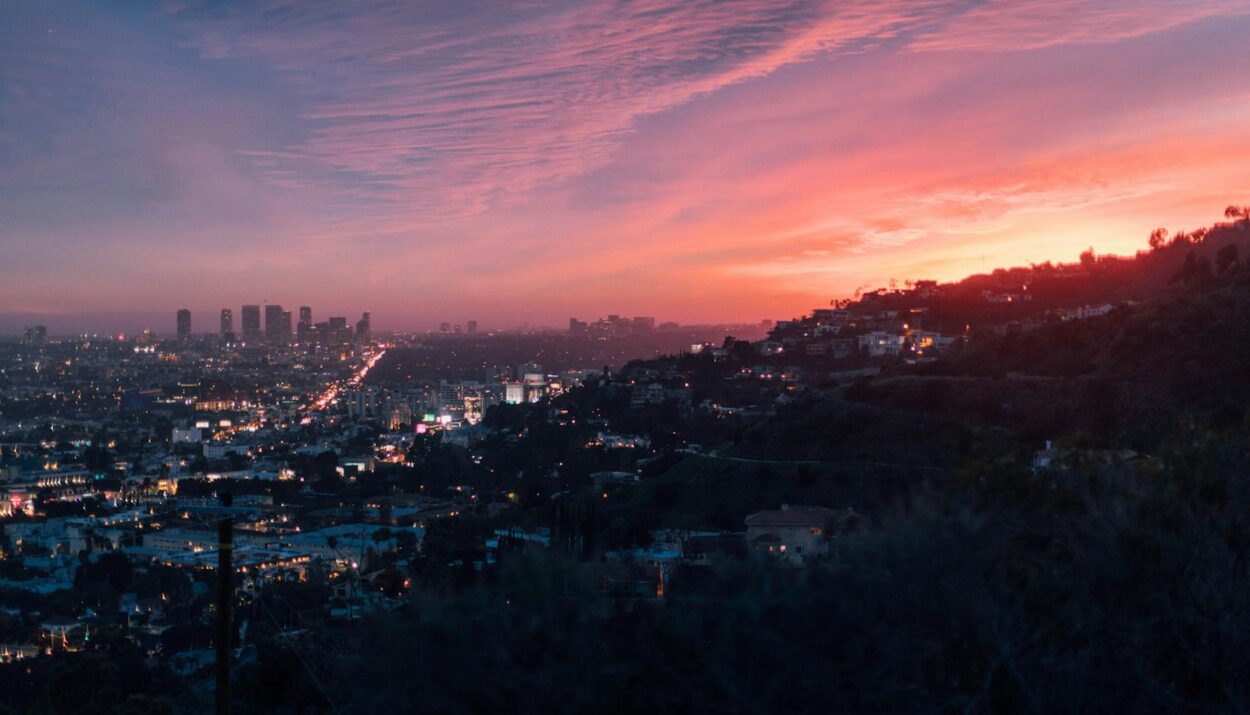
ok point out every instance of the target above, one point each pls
(1046, 287)
(1130, 374)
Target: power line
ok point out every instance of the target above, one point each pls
(285, 633)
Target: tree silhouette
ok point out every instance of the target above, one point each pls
(1158, 239)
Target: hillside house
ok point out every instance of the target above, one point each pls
(797, 533)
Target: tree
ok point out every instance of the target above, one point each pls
(1238, 213)
(1158, 239)
(1088, 258)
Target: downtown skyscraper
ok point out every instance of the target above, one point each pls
(184, 325)
(227, 323)
(277, 325)
(251, 323)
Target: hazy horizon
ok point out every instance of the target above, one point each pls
(163, 323)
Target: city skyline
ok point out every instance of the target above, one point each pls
(257, 320)
(720, 163)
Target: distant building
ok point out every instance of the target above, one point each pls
(531, 373)
(926, 340)
(444, 327)
(227, 323)
(277, 325)
(769, 347)
(827, 316)
(992, 297)
(251, 323)
(880, 343)
(304, 330)
(191, 435)
(184, 324)
(577, 326)
(652, 393)
(514, 393)
(364, 329)
(339, 332)
(1086, 311)
(926, 289)
(472, 327)
(796, 534)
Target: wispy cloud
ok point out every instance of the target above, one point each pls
(1033, 24)
(444, 110)
(433, 111)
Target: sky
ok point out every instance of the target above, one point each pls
(523, 161)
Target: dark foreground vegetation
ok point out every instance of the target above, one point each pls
(1090, 591)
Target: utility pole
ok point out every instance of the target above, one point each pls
(225, 601)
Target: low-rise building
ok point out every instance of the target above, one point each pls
(797, 534)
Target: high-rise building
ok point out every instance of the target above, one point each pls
(184, 324)
(285, 328)
(251, 323)
(305, 332)
(227, 322)
(444, 327)
(340, 334)
(472, 327)
(273, 323)
(577, 326)
(364, 329)
(305, 325)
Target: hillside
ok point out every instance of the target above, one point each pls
(1128, 375)
(1032, 293)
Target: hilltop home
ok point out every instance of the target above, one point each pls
(797, 533)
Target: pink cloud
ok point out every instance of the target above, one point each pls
(427, 114)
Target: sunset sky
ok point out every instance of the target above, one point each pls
(520, 161)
